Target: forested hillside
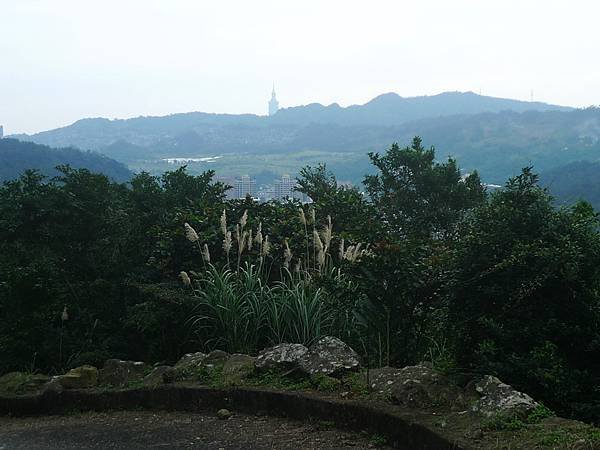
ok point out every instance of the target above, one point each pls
(427, 267)
(575, 181)
(16, 157)
(387, 110)
(498, 143)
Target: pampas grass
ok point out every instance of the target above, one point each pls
(243, 314)
(185, 278)
(265, 247)
(243, 309)
(205, 253)
(287, 255)
(244, 219)
(227, 243)
(190, 233)
(223, 223)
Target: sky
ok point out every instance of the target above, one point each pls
(63, 60)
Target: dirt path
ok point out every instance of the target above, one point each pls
(143, 429)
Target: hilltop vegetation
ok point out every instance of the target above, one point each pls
(428, 267)
(387, 110)
(496, 136)
(17, 156)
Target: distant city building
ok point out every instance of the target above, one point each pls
(245, 186)
(282, 189)
(273, 103)
(266, 192)
(285, 189)
(1, 131)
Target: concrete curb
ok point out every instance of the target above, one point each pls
(402, 431)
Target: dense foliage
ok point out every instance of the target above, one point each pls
(525, 293)
(427, 266)
(495, 137)
(17, 156)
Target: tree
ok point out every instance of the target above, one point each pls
(416, 196)
(351, 212)
(524, 296)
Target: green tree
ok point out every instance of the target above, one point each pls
(352, 214)
(524, 294)
(86, 243)
(416, 196)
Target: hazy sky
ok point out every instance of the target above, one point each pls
(61, 60)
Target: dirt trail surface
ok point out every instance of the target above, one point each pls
(142, 429)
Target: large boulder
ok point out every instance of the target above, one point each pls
(382, 380)
(191, 365)
(237, 367)
(281, 357)
(419, 386)
(498, 398)
(329, 356)
(159, 375)
(216, 358)
(80, 378)
(14, 383)
(52, 387)
(186, 367)
(120, 373)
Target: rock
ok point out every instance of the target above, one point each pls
(223, 414)
(14, 383)
(157, 376)
(194, 359)
(237, 367)
(186, 367)
(52, 387)
(216, 358)
(329, 356)
(419, 387)
(169, 376)
(80, 377)
(193, 364)
(498, 398)
(120, 373)
(280, 357)
(382, 380)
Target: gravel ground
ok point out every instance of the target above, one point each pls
(143, 429)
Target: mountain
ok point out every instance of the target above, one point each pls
(499, 145)
(495, 136)
(17, 156)
(247, 132)
(574, 181)
(391, 110)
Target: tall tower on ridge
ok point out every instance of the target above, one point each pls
(273, 103)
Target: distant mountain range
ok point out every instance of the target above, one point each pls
(16, 157)
(495, 136)
(392, 110)
(225, 133)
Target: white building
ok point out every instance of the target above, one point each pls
(285, 189)
(245, 186)
(1, 131)
(273, 103)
